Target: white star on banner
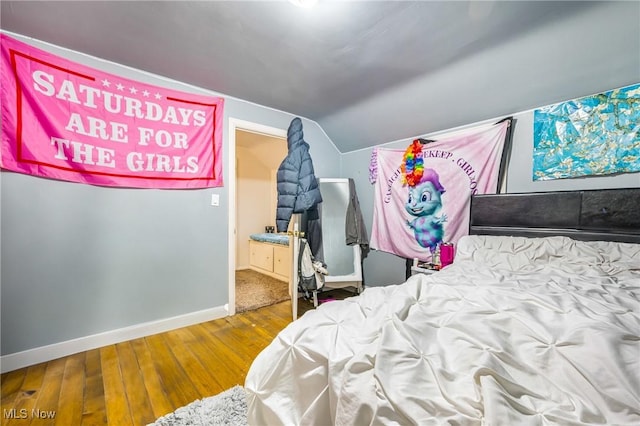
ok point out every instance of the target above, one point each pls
(145, 93)
(158, 96)
(106, 83)
(120, 87)
(133, 90)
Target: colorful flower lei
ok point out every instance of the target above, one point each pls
(412, 166)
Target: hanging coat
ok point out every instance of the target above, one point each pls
(355, 230)
(298, 189)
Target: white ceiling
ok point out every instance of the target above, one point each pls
(367, 72)
(270, 151)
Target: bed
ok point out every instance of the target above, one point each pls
(536, 322)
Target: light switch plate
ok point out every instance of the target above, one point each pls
(215, 199)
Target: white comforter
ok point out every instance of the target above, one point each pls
(516, 332)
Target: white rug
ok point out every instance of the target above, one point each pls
(226, 408)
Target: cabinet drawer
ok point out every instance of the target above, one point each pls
(281, 260)
(261, 255)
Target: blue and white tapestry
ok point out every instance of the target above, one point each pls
(594, 135)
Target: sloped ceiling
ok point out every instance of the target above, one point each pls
(367, 72)
(267, 150)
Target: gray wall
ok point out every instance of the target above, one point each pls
(79, 260)
(382, 268)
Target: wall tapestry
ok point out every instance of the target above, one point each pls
(62, 120)
(422, 194)
(594, 135)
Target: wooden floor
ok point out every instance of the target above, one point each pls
(135, 382)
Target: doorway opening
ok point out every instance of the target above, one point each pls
(258, 274)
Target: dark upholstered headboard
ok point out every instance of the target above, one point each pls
(602, 214)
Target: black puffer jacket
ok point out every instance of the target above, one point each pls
(297, 185)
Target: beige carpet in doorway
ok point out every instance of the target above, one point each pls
(255, 290)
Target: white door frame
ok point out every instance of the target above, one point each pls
(294, 242)
(236, 124)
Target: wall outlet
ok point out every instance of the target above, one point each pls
(215, 199)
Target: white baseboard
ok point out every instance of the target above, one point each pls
(57, 350)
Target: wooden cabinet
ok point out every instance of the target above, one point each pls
(281, 261)
(261, 255)
(270, 259)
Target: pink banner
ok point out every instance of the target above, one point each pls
(410, 221)
(62, 120)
